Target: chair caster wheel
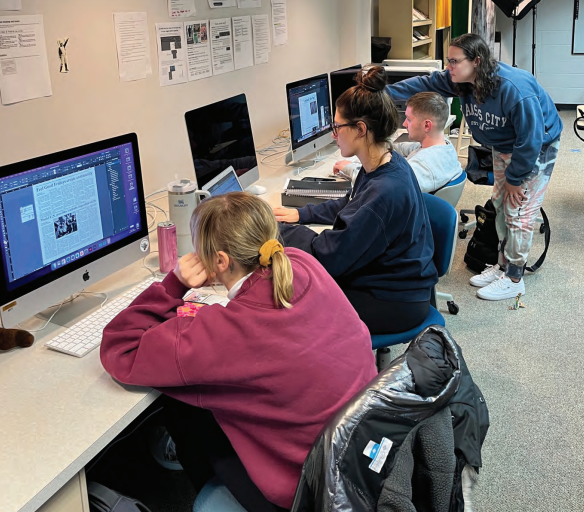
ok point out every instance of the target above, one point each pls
(453, 308)
(383, 358)
(463, 217)
(542, 228)
(462, 234)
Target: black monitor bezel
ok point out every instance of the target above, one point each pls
(353, 70)
(299, 83)
(60, 156)
(188, 116)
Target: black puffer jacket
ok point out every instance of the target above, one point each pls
(428, 407)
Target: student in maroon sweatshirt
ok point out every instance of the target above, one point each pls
(252, 383)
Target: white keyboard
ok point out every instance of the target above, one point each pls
(86, 334)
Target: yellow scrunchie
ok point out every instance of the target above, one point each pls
(270, 248)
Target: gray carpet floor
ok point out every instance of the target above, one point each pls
(528, 363)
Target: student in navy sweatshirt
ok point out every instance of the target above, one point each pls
(380, 248)
(250, 385)
(508, 110)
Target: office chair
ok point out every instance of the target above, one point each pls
(215, 497)
(452, 191)
(443, 220)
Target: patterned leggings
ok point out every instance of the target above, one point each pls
(515, 225)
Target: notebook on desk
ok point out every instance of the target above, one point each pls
(298, 193)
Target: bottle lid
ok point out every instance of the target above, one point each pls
(183, 186)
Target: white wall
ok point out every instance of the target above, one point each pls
(90, 103)
(558, 71)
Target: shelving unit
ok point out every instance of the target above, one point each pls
(396, 21)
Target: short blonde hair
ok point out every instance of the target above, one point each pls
(239, 224)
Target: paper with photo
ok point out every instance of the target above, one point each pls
(24, 68)
(261, 38)
(215, 4)
(10, 5)
(242, 42)
(249, 4)
(181, 8)
(221, 46)
(133, 45)
(198, 49)
(172, 54)
(279, 22)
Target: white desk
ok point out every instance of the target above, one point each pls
(58, 412)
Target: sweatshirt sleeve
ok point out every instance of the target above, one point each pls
(527, 119)
(140, 345)
(405, 148)
(323, 213)
(439, 82)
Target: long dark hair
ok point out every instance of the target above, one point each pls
(486, 80)
(368, 102)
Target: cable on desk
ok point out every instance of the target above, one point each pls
(155, 273)
(61, 304)
(278, 146)
(152, 227)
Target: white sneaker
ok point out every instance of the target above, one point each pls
(487, 276)
(502, 288)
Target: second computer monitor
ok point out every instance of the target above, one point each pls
(220, 136)
(342, 80)
(309, 112)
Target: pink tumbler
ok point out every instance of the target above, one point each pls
(167, 254)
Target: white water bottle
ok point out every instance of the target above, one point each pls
(183, 197)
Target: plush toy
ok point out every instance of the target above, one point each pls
(10, 338)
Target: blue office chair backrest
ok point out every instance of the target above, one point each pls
(453, 190)
(444, 222)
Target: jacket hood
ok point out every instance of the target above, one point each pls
(424, 377)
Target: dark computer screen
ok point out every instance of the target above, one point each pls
(309, 109)
(342, 80)
(69, 206)
(220, 135)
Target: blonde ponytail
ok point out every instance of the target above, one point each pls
(282, 278)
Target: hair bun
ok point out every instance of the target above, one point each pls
(372, 78)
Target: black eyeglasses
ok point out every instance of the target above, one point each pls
(335, 126)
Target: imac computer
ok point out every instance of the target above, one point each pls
(68, 220)
(309, 112)
(342, 80)
(220, 136)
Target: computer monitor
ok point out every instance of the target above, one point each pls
(309, 112)
(68, 220)
(342, 80)
(220, 136)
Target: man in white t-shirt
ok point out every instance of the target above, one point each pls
(432, 157)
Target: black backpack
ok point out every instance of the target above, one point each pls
(102, 499)
(483, 247)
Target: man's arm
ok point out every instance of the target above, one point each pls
(406, 148)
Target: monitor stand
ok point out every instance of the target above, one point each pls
(257, 190)
(74, 311)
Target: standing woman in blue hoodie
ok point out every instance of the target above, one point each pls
(508, 110)
(380, 248)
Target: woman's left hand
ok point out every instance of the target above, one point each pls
(515, 194)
